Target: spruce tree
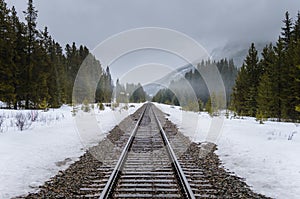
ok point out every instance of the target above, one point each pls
(18, 41)
(7, 66)
(31, 36)
(296, 28)
(253, 71)
(287, 30)
(267, 85)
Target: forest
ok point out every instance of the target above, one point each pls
(193, 78)
(269, 87)
(266, 86)
(35, 70)
(133, 93)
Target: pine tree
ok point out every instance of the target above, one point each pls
(31, 36)
(267, 85)
(296, 28)
(18, 47)
(211, 104)
(7, 66)
(265, 97)
(245, 91)
(297, 94)
(287, 30)
(138, 95)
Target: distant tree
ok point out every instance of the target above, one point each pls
(105, 87)
(138, 95)
(166, 96)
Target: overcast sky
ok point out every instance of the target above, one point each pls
(211, 22)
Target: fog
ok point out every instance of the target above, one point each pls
(212, 23)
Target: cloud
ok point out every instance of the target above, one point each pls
(91, 21)
(212, 22)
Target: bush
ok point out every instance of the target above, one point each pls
(125, 107)
(22, 121)
(260, 117)
(33, 115)
(86, 107)
(1, 122)
(114, 105)
(44, 105)
(74, 110)
(227, 114)
(192, 106)
(101, 106)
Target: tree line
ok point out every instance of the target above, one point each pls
(130, 92)
(269, 87)
(35, 69)
(191, 90)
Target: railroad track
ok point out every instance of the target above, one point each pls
(148, 167)
(146, 157)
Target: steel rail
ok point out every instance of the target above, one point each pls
(107, 191)
(113, 177)
(183, 181)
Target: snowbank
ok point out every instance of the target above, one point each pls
(51, 143)
(266, 155)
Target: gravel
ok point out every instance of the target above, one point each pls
(67, 183)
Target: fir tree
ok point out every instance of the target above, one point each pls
(7, 66)
(245, 90)
(287, 30)
(267, 85)
(30, 17)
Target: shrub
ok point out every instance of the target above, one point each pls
(101, 106)
(44, 105)
(22, 121)
(260, 117)
(1, 122)
(86, 107)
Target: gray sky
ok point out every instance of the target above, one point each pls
(212, 23)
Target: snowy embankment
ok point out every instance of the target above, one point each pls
(49, 144)
(266, 155)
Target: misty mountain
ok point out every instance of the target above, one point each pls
(153, 88)
(236, 51)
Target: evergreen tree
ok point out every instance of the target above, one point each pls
(105, 87)
(267, 85)
(166, 96)
(138, 95)
(296, 28)
(33, 67)
(245, 91)
(18, 47)
(7, 93)
(31, 36)
(287, 30)
(278, 87)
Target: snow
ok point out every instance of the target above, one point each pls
(55, 140)
(266, 155)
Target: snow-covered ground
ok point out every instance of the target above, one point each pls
(49, 144)
(266, 155)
